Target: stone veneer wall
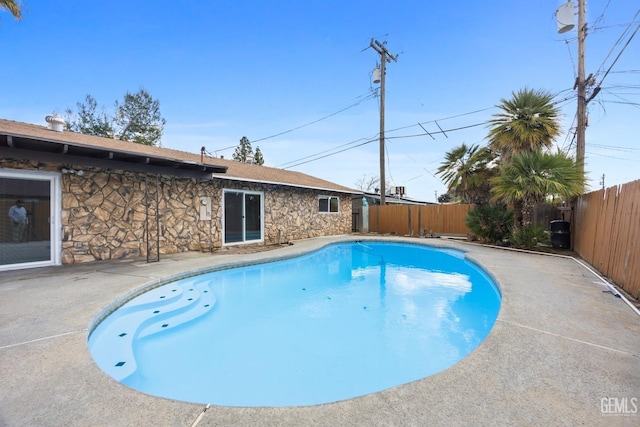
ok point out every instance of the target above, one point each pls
(292, 213)
(106, 214)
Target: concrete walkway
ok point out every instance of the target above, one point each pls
(562, 352)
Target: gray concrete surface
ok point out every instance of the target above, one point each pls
(561, 347)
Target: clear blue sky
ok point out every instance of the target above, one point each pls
(223, 70)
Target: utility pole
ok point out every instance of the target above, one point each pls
(565, 15)
(385, 56)
(582, 86)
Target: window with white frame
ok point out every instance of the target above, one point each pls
(328, 204)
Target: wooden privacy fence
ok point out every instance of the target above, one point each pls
(418, 220)
(606, 233)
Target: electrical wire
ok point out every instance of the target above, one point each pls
(622, 100)
(614, 26)
(366, 96)
(633, 104)
(617, 42)
(440, 120)
(572, 133)
(621, 50)
(613, 157)
(388, 168)
(437, 132)
(574, 68)
(601, 17)
(330, 154)
(357, 143)
(614, 147)
(374, 138)
(364, 141)
(350, 145)
(355, 104)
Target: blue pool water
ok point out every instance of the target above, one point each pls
(344, 321)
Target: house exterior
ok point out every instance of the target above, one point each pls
(90, 198)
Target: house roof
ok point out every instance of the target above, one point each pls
(72, 147)
(35, 142)
(263, 174)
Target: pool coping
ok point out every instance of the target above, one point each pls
(561, 347)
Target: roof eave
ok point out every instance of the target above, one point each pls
(261, 181)
(93, 154)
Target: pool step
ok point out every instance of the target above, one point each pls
(158, 310)
(198, 300)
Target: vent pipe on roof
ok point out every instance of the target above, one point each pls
(56, 122)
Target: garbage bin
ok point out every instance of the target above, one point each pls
(560, 234)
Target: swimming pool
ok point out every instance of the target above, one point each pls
(344, 321)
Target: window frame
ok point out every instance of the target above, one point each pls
(329, 204)
(243, 218)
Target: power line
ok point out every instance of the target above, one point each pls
(442, 119)
(615, 147)
(614, 26)
(368, 140)
(613, 157)
(355, 104)
(368, 96)
(442, 131)
(619, 54)
(331, 152)
(601, 17)
(357, 143)
(633, 104)
(574, 68)
(624, 33)
(386, 150)
(564, 147)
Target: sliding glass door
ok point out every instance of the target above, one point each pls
(29, 221)
(242, 216)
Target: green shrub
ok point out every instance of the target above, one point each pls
(490, 223)
(529, 237)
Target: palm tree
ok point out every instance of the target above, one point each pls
(528, 121)
(531, 177)
(12, 6)
(466, 172)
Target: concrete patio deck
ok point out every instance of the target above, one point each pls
(562, 352)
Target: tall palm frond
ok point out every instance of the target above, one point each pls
(12, 6)
(466, 171)
(528, 121)
(530, 177)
